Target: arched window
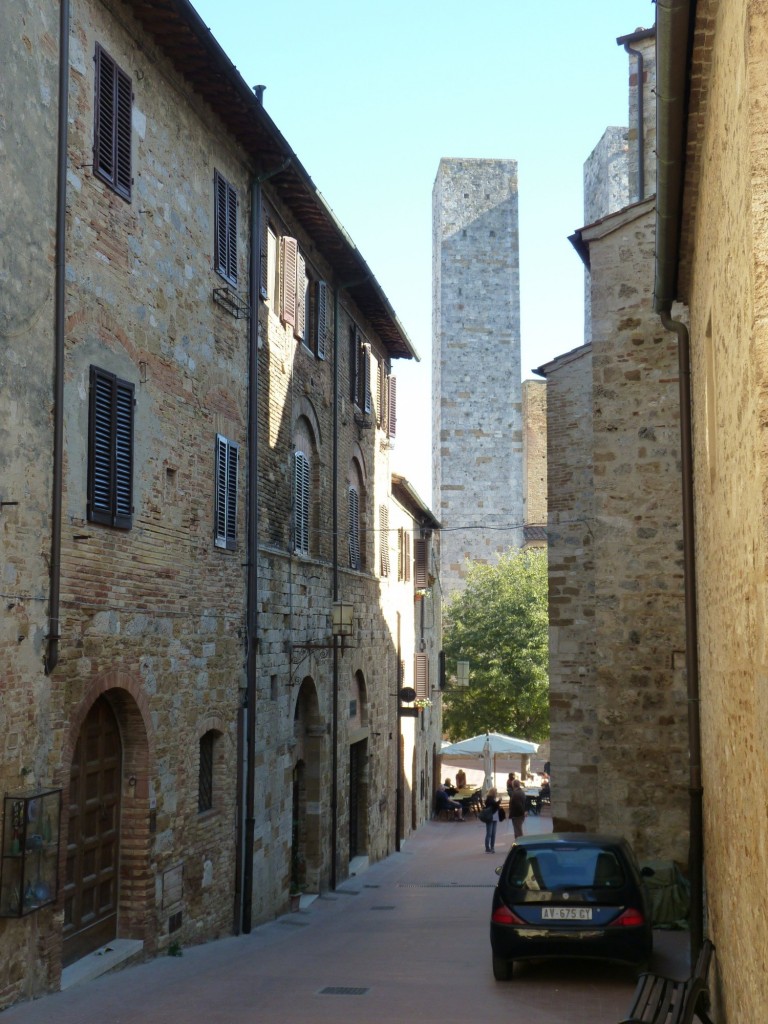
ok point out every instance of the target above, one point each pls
(205, 778)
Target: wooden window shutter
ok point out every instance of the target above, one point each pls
(322, 317)
(420, 565)
(225, 229)
(302, 498)
(407, 561)
(290, 253)
(112, 124)
(301, 297)
(225, 512)
(264, 256)
(365, 357)
(391, 406)
(110, 450)
(354, 528)
(379, 393)
(354, 367)
(421, 675)
(384, 539)
(400, 553)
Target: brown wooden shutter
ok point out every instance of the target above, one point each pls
(322, 317)
(391, 406)
(290, 252)
(420, 565)
(421, 675)
(365, 356)
(353, 363)
(301, 297)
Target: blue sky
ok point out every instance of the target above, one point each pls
(371, 96)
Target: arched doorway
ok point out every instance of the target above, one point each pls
(358, 768)
(307, 867)
(91, 881)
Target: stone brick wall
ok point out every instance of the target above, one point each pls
(725, 203)
(573, 696)
(153, 618)
(535, 452)
(477, 399)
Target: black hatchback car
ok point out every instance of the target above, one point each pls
(570, 894)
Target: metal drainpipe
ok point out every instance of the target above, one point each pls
(696, 841)
(640, 125)
(52, 654)
(247, 819)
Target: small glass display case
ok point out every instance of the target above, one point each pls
(29, 859)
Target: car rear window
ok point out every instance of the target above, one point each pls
(565, 867)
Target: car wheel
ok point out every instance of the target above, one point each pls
(502, 969)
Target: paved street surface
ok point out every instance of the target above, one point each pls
(406, 940)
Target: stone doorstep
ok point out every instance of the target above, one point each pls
(100, 961)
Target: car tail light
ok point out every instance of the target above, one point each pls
(631, 918)
(503, 915)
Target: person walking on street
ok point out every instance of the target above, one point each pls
(517, 807)
(492, 804)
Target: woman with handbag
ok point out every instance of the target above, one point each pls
(492, 814)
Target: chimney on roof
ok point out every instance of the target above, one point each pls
(259, 92)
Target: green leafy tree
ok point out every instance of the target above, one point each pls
(498, 623)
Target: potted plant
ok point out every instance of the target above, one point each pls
(294, 895)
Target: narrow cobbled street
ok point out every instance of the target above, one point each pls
(407, 940)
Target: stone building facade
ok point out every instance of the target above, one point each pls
(477, 427)
(186, 507)
(711, 287)
(617, 635)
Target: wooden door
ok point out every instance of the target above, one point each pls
(92, 870)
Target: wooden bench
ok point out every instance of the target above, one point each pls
(661, 1000)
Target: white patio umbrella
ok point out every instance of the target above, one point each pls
(498, 745)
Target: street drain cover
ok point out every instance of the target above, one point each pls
(341, 990)
(392, 907)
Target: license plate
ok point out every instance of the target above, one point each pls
(566, 913)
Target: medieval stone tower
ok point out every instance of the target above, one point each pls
(477, 400)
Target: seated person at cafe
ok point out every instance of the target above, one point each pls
(449, 788)
(461, 779)
(444, 803)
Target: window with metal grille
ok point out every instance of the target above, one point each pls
(112, 124)
(353, 505)
(225, 229)
(205, 775)
(302, 497)
(384, 539)
(225, 511)
(110, 450)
